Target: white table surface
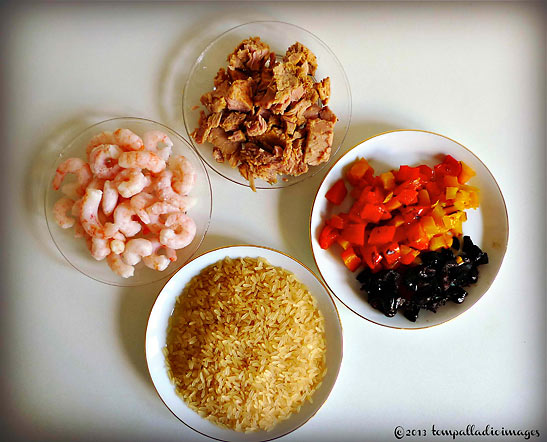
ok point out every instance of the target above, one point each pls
(74, 364)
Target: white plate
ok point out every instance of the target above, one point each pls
(156, 334)
(487, 226)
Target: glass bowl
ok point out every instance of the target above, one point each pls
(75, 250)
(279, 36)
(156, 335)
(487, 225)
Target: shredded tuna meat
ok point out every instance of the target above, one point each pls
(268, 116)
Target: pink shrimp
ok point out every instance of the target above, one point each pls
(89, 216)
(103, 161)
(161, 208)
(76, 166)
(123, 220)
(117, 243)
(110, 197)
(156, 261)
(179, 231)
(97, 140)
(151, 141)
(129, 182)
(60, 209)
(119, 267)
(184, 174)
(140, 203)
(79, 231)
(127, 140)
(135, 250)
(142, 160)
(100, 248)
(165, 192)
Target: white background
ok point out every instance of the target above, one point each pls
(73, 349)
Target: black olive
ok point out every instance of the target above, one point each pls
(411, 313)
(455, 243)
(456, 294)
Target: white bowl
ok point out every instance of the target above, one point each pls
(156, 334)
(279, 36)
(487, 226)
(75, 250)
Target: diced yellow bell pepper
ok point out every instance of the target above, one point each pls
(437, 242)
(429, 226)
(451, 192)
(388, 180)
(438, 214)
(466, 173)
(451, 181)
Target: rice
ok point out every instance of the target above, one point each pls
(245, 344)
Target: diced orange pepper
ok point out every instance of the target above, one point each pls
(393, 204)
(429, 226)
(351, 260)
(423, 198)
(450, 181)
(357, 171)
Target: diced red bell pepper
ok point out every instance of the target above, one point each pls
(337, 222)
(327, 236)
(371, 195)
(355, 233)
(372, 212)
(449, 166)
(337, 192)
(381, 235)
(406, 173)
(426, 172)
(391, 253)
(408, 196)
(351, 260)
(371, 256)
(354, 214)
(412, 213)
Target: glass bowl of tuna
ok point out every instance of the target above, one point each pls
(128, 201)
(267, 104)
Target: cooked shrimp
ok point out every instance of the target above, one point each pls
(76, 166)
(89, 216)
(103, 161)
(97, 140)
(135, 250)
(161, 208)
(60, 209)
(117, 243)
(184, 174)
(119, 267)
(155, 260)
(79, 231)
(71, 190)
(100, 248)
(142, 160)
(110, 197)
(123, 220)
(179, 232)
(151, 141)
(127, 140)
(129, 182)
(96, 183)
(140, 203)
(165, 192)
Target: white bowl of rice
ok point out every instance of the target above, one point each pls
(244, 343)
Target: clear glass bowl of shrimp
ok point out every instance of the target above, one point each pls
(128, 201)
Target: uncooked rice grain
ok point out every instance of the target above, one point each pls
(246, 344)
